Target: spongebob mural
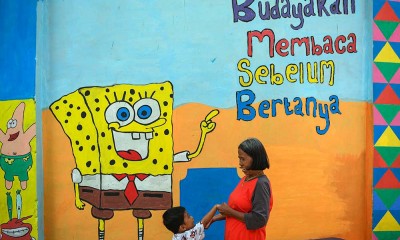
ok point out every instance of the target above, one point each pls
(122, 142)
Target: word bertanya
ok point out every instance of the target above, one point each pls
(268, 108)
(244, 12)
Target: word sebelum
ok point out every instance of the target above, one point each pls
(247, 111)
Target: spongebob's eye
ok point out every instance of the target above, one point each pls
(147, 110)
(120, 112)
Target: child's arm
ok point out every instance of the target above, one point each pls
(207, 218)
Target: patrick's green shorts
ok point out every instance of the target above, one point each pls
(16, 166)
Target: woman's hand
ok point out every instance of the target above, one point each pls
(224, 209)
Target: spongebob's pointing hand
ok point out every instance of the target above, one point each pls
(207, 125)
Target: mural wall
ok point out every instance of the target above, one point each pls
(18, 163)
(143, 106)
(145, 111)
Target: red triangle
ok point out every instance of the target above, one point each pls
(388, 96)
(378, 160)
(387, 13)
(388, 180)
(396, 163)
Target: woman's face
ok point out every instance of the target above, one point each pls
(245, 161)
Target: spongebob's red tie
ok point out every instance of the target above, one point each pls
(131, 192)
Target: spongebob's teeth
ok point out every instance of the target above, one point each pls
(149, 135)
(135, 135)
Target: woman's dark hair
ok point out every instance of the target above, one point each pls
(173, 218)
(255, 149)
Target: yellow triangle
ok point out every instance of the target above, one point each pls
(387, 223)
(388, 139)
(387, 55)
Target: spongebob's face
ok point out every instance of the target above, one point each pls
(127, 128)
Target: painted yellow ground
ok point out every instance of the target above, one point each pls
(321, 183)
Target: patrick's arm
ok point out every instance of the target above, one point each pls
(31, 132)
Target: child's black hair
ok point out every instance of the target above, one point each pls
(173, 218)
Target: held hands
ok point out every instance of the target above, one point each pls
(224, 209)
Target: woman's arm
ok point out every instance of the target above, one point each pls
(225, 210)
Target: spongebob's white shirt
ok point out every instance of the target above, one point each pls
(196, 233)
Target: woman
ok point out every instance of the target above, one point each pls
(249, 205)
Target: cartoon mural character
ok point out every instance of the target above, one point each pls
(16, 157)
(15, 228)
(121, 137)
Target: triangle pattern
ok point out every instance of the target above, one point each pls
(388, 96)
(378, 118)
(377, 216)
(377, 48)
(387, 28)
(377, 33)
(395, 206)
(395, 214)
(378, 131)
(387, 55)
(388, 70)
(386, 13)
(378, 203)
(377, 75)
(396, 35)
(388, 112)
(396, 77)
(396, 88)
(396, 7)
(387, 223)
(389, 154)
(396, 130)
(396, 172)
(388, 196)
(378, 89)
(388, 138)
(378, 173)
(396, 163)
(387, 235)
(396, 120)
(377, 5)
(396, 47)
(388, 180)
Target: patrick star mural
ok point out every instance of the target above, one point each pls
(16, 157)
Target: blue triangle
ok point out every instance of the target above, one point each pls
(378, 4)
(396, 89)
(378, 173)
(378, 45)
(377, 216)
(378, 203)
(396, 47)
(396, 130)
(378, 89)
(396, 172)
(396, 205)
(396, 7)
(378, 130)
(396, 215)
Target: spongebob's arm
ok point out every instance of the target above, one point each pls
(207, 125)
(76, 179)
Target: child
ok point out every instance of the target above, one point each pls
(178, 221)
